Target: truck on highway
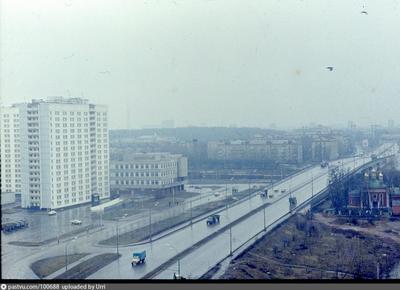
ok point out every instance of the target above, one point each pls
(324, 164)
(264, 193)
(213, 219)
(292, 202)
(138, 258)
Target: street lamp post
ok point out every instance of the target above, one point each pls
(101, 216)
(150, 222)
(117, 238)
(226, 194)
(66, 257)
(179, 260)
(312, 185)
(230, 241)
(265, 221)
(66, 254)
(58, 233)
(150, 229)
(230, 236)
(385, 258)
(191, 213)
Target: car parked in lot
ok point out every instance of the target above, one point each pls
(13, 226)
(76, 222)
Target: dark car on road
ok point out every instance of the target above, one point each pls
(212, 220)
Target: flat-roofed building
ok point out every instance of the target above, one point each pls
(282, 150)
(149, 171)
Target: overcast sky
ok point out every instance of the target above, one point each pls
(217, 63)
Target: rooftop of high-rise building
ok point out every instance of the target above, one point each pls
(62, 100)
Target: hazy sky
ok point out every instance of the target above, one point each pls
(249, 63)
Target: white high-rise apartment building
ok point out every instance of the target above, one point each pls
(64, 152)
(10, 153)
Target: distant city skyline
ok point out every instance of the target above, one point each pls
(207, 63)
(169, 124)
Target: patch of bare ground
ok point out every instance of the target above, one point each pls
(383, 228)
(88, 267)
(306, 248)
(44, 267)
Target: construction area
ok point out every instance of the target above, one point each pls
(318, 246)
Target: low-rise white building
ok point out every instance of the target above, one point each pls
(149, 171)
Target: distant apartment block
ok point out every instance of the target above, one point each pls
(324, 148)
(193, 149)
(149, 171)
(257, 149)
(64, 152)
(10, 154)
